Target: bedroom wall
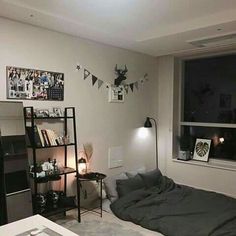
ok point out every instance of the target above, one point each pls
(101, 123)
(205, 177)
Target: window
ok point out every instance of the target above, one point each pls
(209, 103)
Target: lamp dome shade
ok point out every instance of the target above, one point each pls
(147, 123)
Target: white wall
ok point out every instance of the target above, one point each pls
(220, 180)
(99, 122)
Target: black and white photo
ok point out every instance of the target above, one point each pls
(116, 93)
(34, 84)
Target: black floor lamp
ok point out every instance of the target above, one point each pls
(148, 124)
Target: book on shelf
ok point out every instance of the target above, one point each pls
(50, 137)
(33, 134)
(42, 137)
(45, 137)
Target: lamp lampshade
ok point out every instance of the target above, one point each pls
(148, 123)
(82, 166)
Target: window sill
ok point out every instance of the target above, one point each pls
(218, 164)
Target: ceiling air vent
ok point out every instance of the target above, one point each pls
(214, 41)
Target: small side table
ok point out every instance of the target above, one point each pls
(93, 176)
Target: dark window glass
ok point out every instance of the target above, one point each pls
(210, 90)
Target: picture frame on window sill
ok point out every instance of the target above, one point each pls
(202, 150)
(116, 94)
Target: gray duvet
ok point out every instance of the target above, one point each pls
(177, 210)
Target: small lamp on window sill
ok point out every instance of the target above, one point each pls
(82, 166)
(148, 124)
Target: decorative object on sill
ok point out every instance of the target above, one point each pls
(148, 124)
(202, 149)
(95, 80)
(82, 166)
(185, 147)
(33, 84)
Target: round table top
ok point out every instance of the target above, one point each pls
(92, 176)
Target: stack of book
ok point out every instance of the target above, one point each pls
(43, 137)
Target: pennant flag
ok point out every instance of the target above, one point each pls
(141, 80)
(126, 89)
(100, 82)
(78, 67)
(94, 79)
(132, 87)
(136, 85)
(86, 73)
(145, 75)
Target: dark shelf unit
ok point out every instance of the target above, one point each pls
(59, 210)
(50, 118)
(53, 146)
(63, 171)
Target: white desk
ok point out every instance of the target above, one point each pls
(32, 222)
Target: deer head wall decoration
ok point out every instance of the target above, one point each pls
(121, 75)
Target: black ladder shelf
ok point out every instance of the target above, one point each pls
(69, 113)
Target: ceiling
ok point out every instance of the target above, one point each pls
(154, 27)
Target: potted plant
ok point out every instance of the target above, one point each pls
(185, 147)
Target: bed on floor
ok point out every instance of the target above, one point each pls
(157, 203)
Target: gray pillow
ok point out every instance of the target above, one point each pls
(126, 186)
(132, 173)
(110, 185)
(151, 178)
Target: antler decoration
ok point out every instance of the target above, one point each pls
(121, 75)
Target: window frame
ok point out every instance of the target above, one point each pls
(212, 162)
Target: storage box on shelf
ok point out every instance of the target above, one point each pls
(44, 138)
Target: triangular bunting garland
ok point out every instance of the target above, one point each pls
(100, 82)
(86, 73)
(78, 67)
(94, 79)
(137, 84)
(131, 86)
(126, 89)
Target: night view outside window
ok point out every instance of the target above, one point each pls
(209, 103)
